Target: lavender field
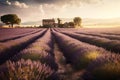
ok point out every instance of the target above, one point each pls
(59, 54)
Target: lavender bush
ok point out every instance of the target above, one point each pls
(112, 37)
(112, 45)
(40, 50)
(14, 36)
(79, 54)
(105, 68)
(36, 55)
(12, 46)
(27, 70)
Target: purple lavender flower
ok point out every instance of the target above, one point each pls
(27, 70)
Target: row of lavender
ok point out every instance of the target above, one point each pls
(11, 47)
(36, 62)
(112, 37)
(101, 33)
(111, 45)
(13, 31)
(11, 34)
(100, 64)
(93, 33)
(106, 31)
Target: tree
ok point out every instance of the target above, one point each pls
(59, 23)
(71, 24)
(59, 20)
(77, 21)
(10, 19)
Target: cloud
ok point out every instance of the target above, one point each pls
(12, 3)
(28, 3)
(38, 9)
(64, 1)
(7, 2)
(57, 2)
(91, 1)
(20, 5)
(41, 10)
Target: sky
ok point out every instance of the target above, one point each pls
(35, 10)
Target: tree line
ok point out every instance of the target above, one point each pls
(74, 24)
(11, 19)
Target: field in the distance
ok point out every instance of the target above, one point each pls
(59, 54)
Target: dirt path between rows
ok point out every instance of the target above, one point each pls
(65, 71)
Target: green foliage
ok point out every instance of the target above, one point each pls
(47, 26)
(71, 24)
(77, 21)
(10, 19)
(60, 25)
(59, 20)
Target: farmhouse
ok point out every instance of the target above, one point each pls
(48, 22)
